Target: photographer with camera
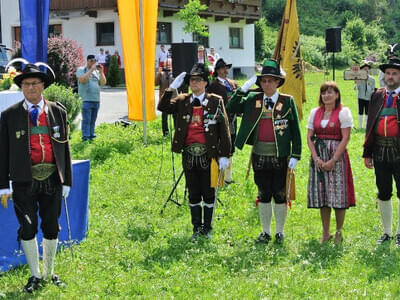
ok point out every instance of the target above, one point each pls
(90, 78)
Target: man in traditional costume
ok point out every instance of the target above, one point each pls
(382, 144)
(225, 87)
(270, 123)
(35, 156)
(201, 135)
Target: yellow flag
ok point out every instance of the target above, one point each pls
(129, 20)
(288, 54)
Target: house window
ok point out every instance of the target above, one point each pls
(105, 34)
(201, 40)
(55, 30)
(164, 33)
(236, 38)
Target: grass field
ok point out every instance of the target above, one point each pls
(133, 252)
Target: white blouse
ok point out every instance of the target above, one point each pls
(345, 118)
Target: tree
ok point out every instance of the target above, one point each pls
(259, 38)
(193, 22)
(114, 72)
(64, 56)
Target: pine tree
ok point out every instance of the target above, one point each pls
(114, 72)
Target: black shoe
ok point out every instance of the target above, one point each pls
(263, 238)
(56, 280)
(229, 182)
(398, 240)
(385, 238)
(33, 284)
(279, 237)
(196, 233)
(165, 133)
(207, 232)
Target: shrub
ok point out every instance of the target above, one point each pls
(64, 56)
(260, 32)
(114, 72)
(66, 97)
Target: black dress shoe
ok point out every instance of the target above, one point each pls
(207, 232)
(263, 238)
(56, 280)
(196, 234)
(279, 237)
(398, 240)
(33, 284)
(384, 238)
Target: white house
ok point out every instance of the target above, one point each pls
(94, 24)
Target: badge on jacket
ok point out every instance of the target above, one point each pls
(56, 130)
(258, 103)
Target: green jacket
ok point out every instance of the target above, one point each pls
(284, 118)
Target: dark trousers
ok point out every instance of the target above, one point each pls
(43, 196)
(384, 174)
(198, 183)
(198, 179)
(164, 122)
(363, 106)
(270, 177)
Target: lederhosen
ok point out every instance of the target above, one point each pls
(44, 192)
(386, 153)
(269, 170)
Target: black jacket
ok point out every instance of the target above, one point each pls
(15, 160)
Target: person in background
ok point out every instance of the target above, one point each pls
(225, 87)
(270, 123)
(202, 136)
(382, 145)
(35, 156)
(162, 56)
(90, 78)
(101, 57)
(116, 54)
(107, 62)
(213, 56)
(330, 182)
(164, 78)
(364, 88)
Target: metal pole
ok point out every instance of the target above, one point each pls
(143, 72)
(333, 55)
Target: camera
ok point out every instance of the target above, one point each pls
(98, 67)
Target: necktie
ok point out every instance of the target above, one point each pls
(268, 103)
(389, 100)
(228, 87)
(196, 102)
(34, 113)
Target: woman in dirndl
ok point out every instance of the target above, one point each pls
(330, 183)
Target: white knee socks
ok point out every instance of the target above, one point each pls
(265, 210)
(32, 256)
(49, 255)
(280, 211)
(386, 215)
(228, 171)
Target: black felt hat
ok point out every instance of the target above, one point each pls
(33, 71)
(220, 64)
(198, 69)
(271, 68)
(393, 63)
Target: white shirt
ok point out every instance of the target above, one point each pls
(30, 105)
(274, 97)
(345, 119)
(101, 58)
(200, 97)
(162, 56)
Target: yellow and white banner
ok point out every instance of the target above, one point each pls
(129, 20)
(288, 54)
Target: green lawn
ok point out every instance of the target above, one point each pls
(132, 251)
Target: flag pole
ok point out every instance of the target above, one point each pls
(143, 72)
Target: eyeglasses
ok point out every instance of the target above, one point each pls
(92, 59)
(31, 84)
(196, 79)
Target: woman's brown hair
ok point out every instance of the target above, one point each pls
(326, 86)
